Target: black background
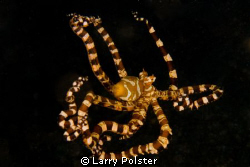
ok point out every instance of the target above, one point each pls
(41, 56)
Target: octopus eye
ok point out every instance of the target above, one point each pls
(75, 19)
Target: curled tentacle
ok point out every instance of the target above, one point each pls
(150, 148)
(184, 102)
(138, 117)
(68, 119)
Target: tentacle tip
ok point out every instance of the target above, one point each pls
(85, 78)
(70, 99)
(71, 14)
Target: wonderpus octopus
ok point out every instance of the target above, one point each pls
(133, 94)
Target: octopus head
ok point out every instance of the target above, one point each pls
(128, 88)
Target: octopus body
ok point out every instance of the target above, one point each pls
(132, 94)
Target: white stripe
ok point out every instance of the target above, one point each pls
(196, 104)
(103, 126)
(71, 122)
(125, 129)
(84, 128)
(90, 45)
(190, 90)
(114, 127)
(181, 108)
(151, 30)
(187, 100)
(73, 110)
(159, 43)
(80, 31)
(111, 43)
(117, 61)
(168, 58)
(114, 51)
(90, 94)
(76, 134)
(131, 152)
(205, 100)
(173, 74)
(215, 96)
(129, 94)
(76, 89)
(61, 124)
(134, 97)
(139, 122)
(139, 150)
(85, 37)
(96, 67)
(221, 91)
(123, 154)
(68, 138)
(156, 107)
(149, 88)
(87, 103)
(105, 37)
(62, 113)
(212, 87)
(72, 105)
(92, 56)
(65, 133)
(69, 93)
(74, 28)
(100, 30)
(146, 148)
(89, 141)
(81, 113)
(85, 24)
(138, 88)
(112, 156)
(102, 155)
(202, 88)
(80, 19)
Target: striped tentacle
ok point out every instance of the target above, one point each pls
(95, 142)
(113, 104)
(137, 120)
(138, 117)
(183, 100)
(77, 24)
(165, 54)
(81, 125)
(68, 120)
(120, 106)
(168, 95)
(129, 129)
(150, 148)
(102, 140)
(82, 115)
(91, 138)
(112, 48)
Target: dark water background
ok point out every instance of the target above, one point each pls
(41, 56)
